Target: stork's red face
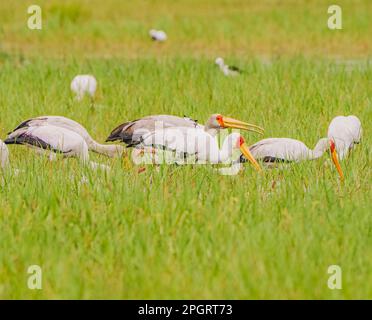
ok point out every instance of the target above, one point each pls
(241, 141)
(332, 145)
(219, 119)
(225, 122)
(335, 159)
(247, 154)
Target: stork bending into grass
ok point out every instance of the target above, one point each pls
(52, 139)
(273, 150)
(290, 150)
(110, 150)
(343, 133)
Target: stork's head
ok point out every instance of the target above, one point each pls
(334, 156)
(219, 61)
(240, 144)
(218, 121)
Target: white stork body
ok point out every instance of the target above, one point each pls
(290, 150)
(196, 142)
(286, 150)
(189, 142)
(84, 84)
(158, 35)
(132, 132)
(51, 138)
(345, 132)
(54, 140)
(63, 122)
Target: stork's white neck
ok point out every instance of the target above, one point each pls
(83, 155)
(212, 131)
(110, 150)
(225, 153)
(321, 147)
(343, 146)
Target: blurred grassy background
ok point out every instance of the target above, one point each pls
(195, 28)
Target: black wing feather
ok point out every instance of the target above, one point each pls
(119, 133)
(33, 141)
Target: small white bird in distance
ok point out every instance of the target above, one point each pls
(229, 71)
(84, 84)
(158, 35)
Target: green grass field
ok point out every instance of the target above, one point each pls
(187, 232)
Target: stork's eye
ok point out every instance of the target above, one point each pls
(219, 119)
(332, 145)
(241, 141)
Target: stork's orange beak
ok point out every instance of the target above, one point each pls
(335, 159)
(245, 151)
(226, 122)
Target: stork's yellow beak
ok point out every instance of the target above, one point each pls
(335, 159)
(245, 151)
(236, 124)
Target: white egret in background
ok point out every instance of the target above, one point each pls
(53, 139)
(84, 84)
(110, 150)
(227, 70)
(132, 132)
(158, 35)
(345, 132)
